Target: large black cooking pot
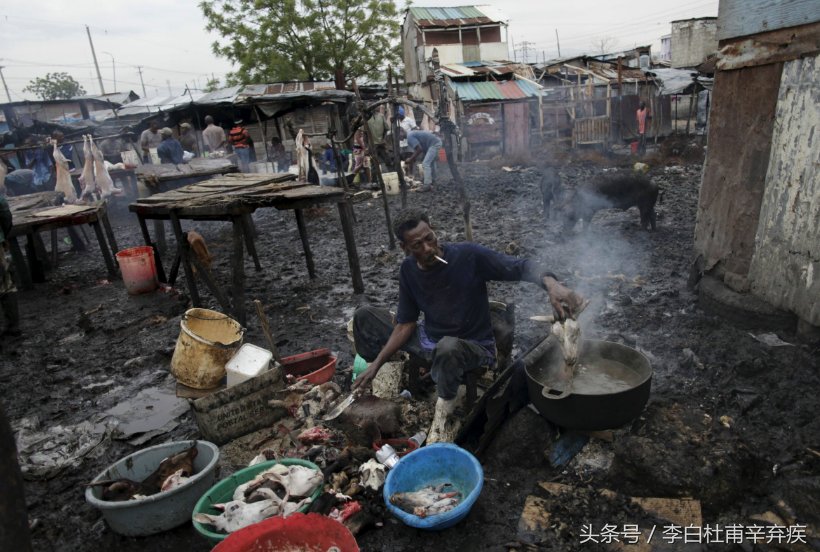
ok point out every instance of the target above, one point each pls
(610, 387)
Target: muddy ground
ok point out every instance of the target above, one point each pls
(731, 422)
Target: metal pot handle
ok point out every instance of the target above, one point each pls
(555, 394)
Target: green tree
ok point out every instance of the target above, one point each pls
(281, 40)
(212, 85)
(55, 86)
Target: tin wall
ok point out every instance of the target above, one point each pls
(734, 173)
(785, 267)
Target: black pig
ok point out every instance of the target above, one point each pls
(611, 191)
(550, 186)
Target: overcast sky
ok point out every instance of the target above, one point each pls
(168, 38)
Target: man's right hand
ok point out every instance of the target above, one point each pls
(363, 380)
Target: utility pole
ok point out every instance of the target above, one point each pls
(558, 42)
(94, 55)
(4, 84)
(113, 68)
(144, 93)
(526, 48)
(168, 82)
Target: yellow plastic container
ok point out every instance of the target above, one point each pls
(207, 341)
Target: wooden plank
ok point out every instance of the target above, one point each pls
(747, 17)
(534, 522)
(681, 511)
(771, 47)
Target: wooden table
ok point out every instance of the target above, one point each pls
(234, 197)
(167, 176)
(34, 213)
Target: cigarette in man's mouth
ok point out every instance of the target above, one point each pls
(440, 259)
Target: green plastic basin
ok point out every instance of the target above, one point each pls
(223, 492)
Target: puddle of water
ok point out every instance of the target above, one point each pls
(149, 410)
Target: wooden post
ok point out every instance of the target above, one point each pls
(264, 128)
(376, 164)
(346, 216)
(447, 129)
(238, 262)
(394, 129)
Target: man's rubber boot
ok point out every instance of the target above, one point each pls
(12, 313)
(446, 422)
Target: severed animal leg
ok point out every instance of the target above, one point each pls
(568, 334)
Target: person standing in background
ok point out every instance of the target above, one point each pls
(424, 144)
(240, 139)
(642, 115)
(170, 150)
(150, 138)
(8, 291)
(188, 139)
(213, 136)
(377, 128)
(279, 155)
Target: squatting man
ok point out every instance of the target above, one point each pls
(448, 283)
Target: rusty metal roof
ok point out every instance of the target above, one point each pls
(498, 90)
(454, 17)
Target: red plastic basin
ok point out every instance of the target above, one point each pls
(295, 532)
(315, 366)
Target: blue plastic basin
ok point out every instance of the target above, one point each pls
(433, 465)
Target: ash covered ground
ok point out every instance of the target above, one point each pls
(731, 422)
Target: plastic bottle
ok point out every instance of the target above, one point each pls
(387, 456)
(419, 438)
(359, 366)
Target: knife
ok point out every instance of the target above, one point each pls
(341, 407)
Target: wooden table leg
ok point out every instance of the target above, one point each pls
(250, 234)
(109, 261)
(54, 247)
(159, 232)
(22, 271)
(182, 248)
(35, 265)
(172, 278)
(157, 257)
(300, 223)
(109, 232)
(346, 214)
(42, 252)
(238, 262)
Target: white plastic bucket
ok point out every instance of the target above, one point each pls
(248, 362)
(391, 183)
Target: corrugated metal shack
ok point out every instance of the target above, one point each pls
(588, 101)
(496, 116)
(267, 110)
(758, 226)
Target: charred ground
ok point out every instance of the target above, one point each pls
(731, 421)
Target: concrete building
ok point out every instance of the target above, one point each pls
(692, 40)
(757, 232)
(458, 35)
(666, 48)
